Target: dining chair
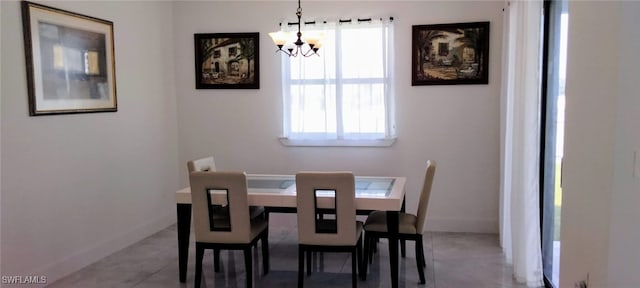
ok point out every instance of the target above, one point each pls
(239, 233)
(220, 212)
(410, 226)
(208, 164)
(202, 164)
(339, 232)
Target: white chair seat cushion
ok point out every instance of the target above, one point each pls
(377, 222)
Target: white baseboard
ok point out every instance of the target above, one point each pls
(462, 225)
(105, 248)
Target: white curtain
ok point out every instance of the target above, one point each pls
(519, 207)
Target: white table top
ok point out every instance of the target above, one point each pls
(372, 193)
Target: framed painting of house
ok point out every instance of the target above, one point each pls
(447, 54)
(70, 61)
(227, 61)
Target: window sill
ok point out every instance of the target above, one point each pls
(338, 143)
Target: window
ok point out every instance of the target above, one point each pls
(443, 49)
(344, 96)
(233, 51)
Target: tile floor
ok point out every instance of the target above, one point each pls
(454, 260)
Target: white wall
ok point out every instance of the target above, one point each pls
(624, 257)
(600, 196)
(76, 188)
(106, 180)
(458, 126)
(588, 154)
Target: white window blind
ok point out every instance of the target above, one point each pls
(347, 92)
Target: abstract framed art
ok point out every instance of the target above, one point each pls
(70, 61)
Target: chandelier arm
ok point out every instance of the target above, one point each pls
(283, 51)
(310, 52)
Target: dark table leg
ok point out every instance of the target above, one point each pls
(392, 228)
(403, 246)
(184, 230)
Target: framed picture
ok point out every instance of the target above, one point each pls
(446, 54)
(70, 61)
(227, 61)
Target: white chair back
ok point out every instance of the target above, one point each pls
(232, 187)
(424, 196)
(310, 187)
(202, 164)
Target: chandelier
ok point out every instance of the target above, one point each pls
(299, 47)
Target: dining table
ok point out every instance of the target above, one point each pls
(277, 193)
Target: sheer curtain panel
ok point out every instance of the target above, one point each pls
(520, 130)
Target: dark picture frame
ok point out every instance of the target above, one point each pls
(449, 54)
(227, 60)
(70, 61)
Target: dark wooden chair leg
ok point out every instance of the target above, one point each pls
(248, 265)
(354, 259)
(199, 256)
(301, 253)
(265, 252)
(360, 257)
(424, 260)
(420, 255)
(216, 260)
(365, 257)
(308, 263)
(420, 260)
